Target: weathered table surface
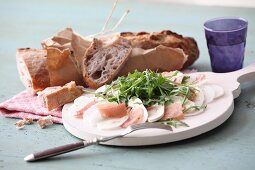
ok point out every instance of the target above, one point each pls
(25, 23)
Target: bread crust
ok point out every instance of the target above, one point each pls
(146, 40)
(159, 59)
(79, 46)
(54, 97)
(32, 67)
(61, 67)
(42, 68)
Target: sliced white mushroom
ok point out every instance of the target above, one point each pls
(200, 97)
(155, 112)
(111, 123)
(83, 99)
(219, 91)
(92, 116)
(79, 103)
(136, 102)
(101, 89)
(209, 93)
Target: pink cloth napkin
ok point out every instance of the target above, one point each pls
(24, 105)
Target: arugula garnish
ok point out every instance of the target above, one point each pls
(196, 108)
(175, 123)
(151, 87)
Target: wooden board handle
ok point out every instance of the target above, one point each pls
(246, 74)
(239, 76)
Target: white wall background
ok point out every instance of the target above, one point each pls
(233, 3)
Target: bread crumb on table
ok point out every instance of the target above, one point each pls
(42, 122)
(21, 123)
(28, 120)
(45, 121)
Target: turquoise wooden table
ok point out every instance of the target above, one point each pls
(25, 23)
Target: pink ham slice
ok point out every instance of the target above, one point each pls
(135, 116)
(173, 111)
(89, 103)
(112, 110)
(167, 74)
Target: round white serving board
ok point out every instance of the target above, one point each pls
(215, 114)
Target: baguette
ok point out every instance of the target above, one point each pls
(42, 68)
(32, 68)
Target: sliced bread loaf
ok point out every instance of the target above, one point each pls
(103, 60)
(149, 40)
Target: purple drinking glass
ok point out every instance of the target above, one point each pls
(226, 39)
